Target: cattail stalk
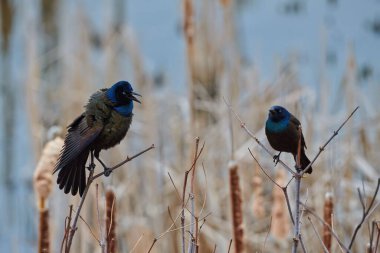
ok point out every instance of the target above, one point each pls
(327, 216)
(43, 182)
(237, 208)
(110, 222)
(43, 228)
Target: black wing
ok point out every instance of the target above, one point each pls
(73, 157)
(297, 123)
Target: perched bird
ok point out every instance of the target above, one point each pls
(281, 129)
(105, 122)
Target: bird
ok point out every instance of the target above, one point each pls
(103, 124)
(282, 131)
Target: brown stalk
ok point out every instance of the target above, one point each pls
(237, 209)
(327, 217)
(43, 228)
(110, 222)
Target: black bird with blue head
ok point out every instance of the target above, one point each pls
(105, 122)
(281, 129)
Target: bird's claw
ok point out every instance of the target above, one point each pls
(107, 172)
(91, 166)
(276, 159)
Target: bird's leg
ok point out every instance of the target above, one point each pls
(91, 166)
(107, 170)
(276, 158)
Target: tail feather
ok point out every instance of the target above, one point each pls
(72, 176)
(305, 162)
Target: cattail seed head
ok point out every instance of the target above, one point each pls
(43, 178)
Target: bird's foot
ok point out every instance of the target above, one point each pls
(91, 166)
(276, 158)
(107, 171)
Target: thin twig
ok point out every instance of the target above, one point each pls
(89, 228)
(328, 226)
(205, 193)
(229, 246)
(321, 149)
(191, 247)
(123, 162)
(175, 187)
(319, 237)
(102, 239)
(365, 213)
(266, 236)
(137, 242)
(67, 229)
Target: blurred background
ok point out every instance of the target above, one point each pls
(320, 59)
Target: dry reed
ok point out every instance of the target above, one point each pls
(111, 221)
(236, 208)
(43, 183)
(328, 216)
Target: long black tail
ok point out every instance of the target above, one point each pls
(72, 176)
(305, 162)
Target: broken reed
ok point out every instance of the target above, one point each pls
(237, 209)
(110, 222)
(327, 217)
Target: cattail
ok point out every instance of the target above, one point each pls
(225, 3)
(43, 177)
(110, 221)
(237, 209)
(42, 181)
(327, 216)
(280, 220)
(258, 199)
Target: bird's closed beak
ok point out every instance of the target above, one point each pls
(271, 111)
(132, 96)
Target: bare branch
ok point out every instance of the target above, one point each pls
(90, 179)
(229, 246)
(124, 162)
(335, 133)
(365, 214)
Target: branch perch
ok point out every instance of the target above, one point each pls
(90, 180)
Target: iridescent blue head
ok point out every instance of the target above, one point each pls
(278, 118)
(122, 94)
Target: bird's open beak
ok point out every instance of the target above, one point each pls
(132, 96)
(271, 112)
